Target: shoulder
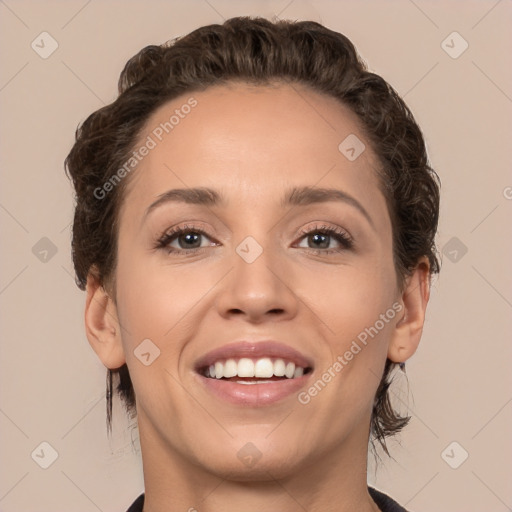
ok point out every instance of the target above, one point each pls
(137, 505)
(384, 502)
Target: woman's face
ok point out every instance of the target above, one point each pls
(255, 278)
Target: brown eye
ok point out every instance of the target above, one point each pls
(189, 240)
(184, 240)
(321, 239)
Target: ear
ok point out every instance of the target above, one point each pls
(407, 333)
(102, 325)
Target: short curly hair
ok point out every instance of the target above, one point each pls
(260, 52)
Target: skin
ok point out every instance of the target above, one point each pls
(251, 144)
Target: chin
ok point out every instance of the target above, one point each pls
(265, 469)
(253, 458)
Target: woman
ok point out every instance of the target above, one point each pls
(254, 229)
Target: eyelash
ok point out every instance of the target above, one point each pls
(338, 234)
(164, 241)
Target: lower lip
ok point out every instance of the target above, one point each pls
(254, 395)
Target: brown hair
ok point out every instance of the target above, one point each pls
(255, 51)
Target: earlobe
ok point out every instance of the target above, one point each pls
(102, 324)
(408, 329)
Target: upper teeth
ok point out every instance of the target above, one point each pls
(259, 368)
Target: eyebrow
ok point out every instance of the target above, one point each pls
(296, 196)
(201, 196)
(303, 196)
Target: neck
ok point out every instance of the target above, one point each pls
(334, 481)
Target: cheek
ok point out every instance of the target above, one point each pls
(156, 301)
(349, 299)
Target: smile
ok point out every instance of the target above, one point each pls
(254, 371)
(253, 374)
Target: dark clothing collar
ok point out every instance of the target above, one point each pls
(384, 502)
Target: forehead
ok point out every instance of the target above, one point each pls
(254, 140)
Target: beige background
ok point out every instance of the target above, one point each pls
(51, 384)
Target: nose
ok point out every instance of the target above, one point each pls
(258, 290)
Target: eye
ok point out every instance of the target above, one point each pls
(184, 239)
(320, 239)
(191, 240)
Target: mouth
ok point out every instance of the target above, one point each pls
(254, 374)
(254, 371)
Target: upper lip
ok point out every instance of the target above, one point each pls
(256, 350)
